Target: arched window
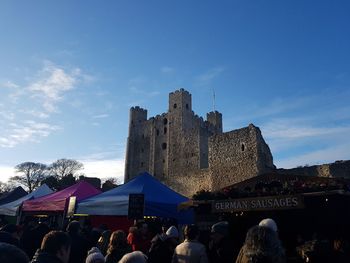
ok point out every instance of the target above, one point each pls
(175, 105)
(165, 121)
(165, 130)
(242, 147)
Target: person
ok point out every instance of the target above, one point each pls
(134, 257)
(163, 246)
(139, 239)
(261, 245)
(117, 247)
(10, 254)
(270, 223)
(79, 243)
(103, 242)
(221, 247)
(95, 256)
(55, 248)
(190, 251)
(9, 234)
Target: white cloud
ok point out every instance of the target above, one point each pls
(167, 69)
(52, 83)
(9, 84)
(6, 172)
(28, 131)
(104, 168)
(326, 155)
(100, 116)
(206, 78)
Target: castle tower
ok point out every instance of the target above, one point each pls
(137, 147)
(215, 119)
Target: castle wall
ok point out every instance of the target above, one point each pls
(190, 154)
(237, 155)
(336, 169)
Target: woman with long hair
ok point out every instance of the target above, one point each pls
(117, 247)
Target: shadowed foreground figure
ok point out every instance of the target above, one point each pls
(190, 251)
(10, 254)
(55, 248)
(261, 245)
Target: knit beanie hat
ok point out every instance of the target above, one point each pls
(270, 223)
(95, 256)
(172, 232)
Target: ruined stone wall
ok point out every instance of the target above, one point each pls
(238, 155)
(336, 169)
(190, 183)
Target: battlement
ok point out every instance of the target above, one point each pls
(180, 91)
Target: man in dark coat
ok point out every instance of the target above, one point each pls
(79, 247)
(221, 247)
(55, 248)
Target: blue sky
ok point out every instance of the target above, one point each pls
(70, 71)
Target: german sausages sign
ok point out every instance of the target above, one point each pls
(259, 204)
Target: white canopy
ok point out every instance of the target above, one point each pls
(10, 209)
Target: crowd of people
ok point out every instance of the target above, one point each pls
(37, 243)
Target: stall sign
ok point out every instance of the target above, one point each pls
(136, 206)
(259, 204)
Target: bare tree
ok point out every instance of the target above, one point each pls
(64, 167)
(6, 187)
(31, 174)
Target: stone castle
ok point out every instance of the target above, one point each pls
(188, 153)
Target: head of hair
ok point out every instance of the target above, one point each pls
(117, 239)
(263, 243)
(73, 227)
(10, 253)
(54, 241)
(134, 257)
(191, 232)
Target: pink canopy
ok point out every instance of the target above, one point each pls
(57, 202)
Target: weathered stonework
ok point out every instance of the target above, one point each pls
(336, 169)
(188, 153)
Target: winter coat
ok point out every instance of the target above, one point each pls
(44, 257)
(161, 250)
(223, 252)
(247, 255)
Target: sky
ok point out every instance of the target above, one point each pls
(71, 70)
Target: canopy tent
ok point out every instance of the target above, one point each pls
(10, 209)
(16, 193)
(57, 202)
(160, 200)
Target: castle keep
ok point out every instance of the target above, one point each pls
(188, 153)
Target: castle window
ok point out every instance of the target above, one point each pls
(242, 147)
(163, 145)
(187, 106)
(165, 130)
(157, 132)
(141, 164)
(163, 161)
(175, 105)
(142, 150)
(143, 136)
(165, 121)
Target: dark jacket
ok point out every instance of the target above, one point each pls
(223, 252)
(79, 249)
(161, 250)
(44, 257)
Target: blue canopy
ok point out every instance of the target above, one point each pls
(160, 200)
